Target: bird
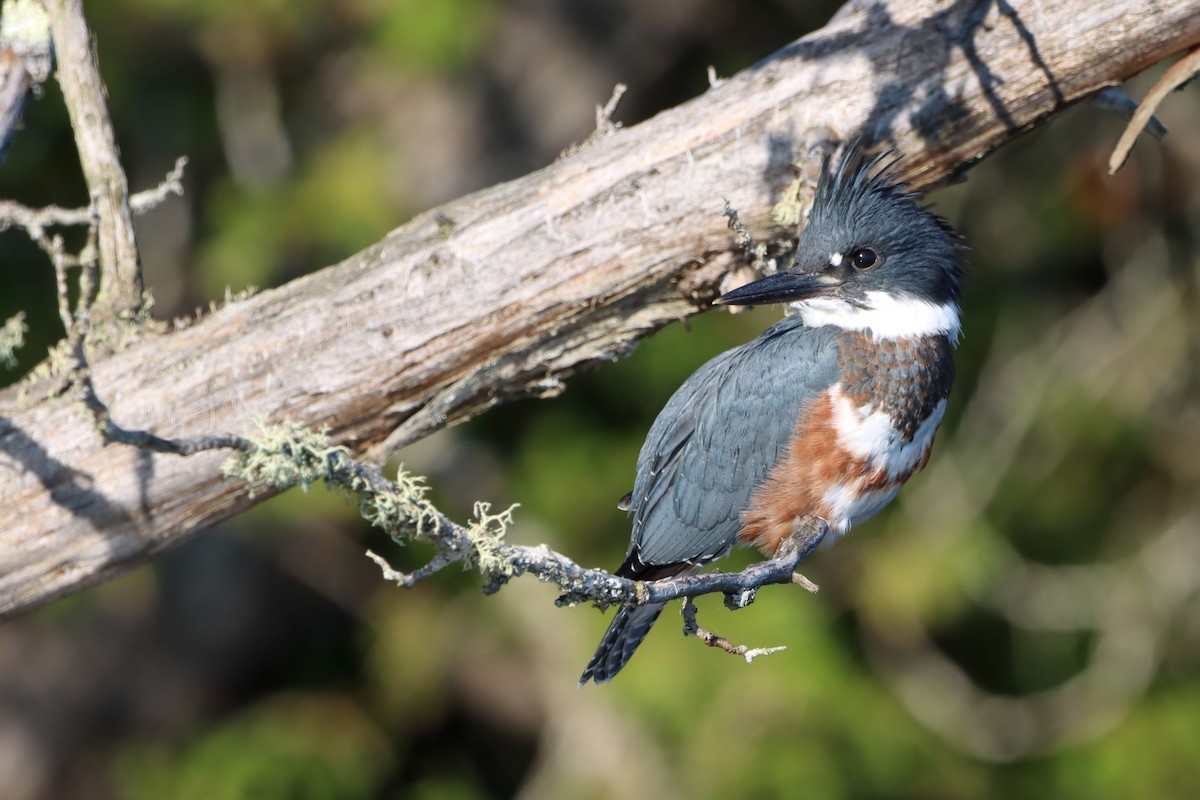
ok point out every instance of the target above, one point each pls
(828, 412)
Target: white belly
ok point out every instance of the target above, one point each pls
(870, 436)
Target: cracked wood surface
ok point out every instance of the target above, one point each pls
(510, 290)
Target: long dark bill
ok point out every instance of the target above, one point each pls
(782, 287)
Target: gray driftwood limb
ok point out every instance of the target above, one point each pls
(510, 290)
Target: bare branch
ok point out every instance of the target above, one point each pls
(36, 220)
(1117, 101)
(605, 126)
(1180, 73)
(120, 289)
(112, 433)
(172, 184)
(501, 561)
(692, 628)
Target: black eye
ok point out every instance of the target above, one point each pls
(863, 258)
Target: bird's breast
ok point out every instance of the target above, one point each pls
(857, 443)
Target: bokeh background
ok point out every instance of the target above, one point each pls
(1023, 622)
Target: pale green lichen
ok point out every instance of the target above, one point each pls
(285, 455)
(59, 360)
(401, 509)
(12, 339)
(486, 533)
(789, 211)
(289, 455)
(757, 253)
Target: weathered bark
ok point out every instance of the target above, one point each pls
(511, 289)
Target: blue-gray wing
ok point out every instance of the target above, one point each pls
(715, 441)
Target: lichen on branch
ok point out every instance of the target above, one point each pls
(12, 339)
(287, 455)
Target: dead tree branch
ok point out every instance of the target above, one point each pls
(509, 291)
(692, 628)
(36, 221)
(1182, 71)
(120, 286)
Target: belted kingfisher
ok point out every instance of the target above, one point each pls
(828, 412)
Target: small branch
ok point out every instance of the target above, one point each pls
(61, 260)
(1117, 101)
(581, 584)
(805, 584)
(172, 184)
(605, 127)
(1180, 73)
(120, 290)
(408, 579)
(692, 628)
(112, 433)
(604, 124)
(36, 221)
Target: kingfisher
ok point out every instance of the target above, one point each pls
(828, 412)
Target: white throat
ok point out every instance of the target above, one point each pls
(886, 316)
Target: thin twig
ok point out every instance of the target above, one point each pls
(112, 433)
(692, 628)
(1180, 73)
(149, 199)
(78, 327)
(604, 124)
(35, 221)
(604, 113)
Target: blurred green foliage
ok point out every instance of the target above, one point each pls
(296, 746)
(428, 37)
(1023, 623)
(333, 209)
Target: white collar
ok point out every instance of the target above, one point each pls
(885, 315)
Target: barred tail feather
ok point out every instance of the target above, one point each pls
(629, 627)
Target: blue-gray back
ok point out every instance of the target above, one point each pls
(716, 439)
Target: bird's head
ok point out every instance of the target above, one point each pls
(870, 258)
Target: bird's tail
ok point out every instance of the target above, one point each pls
(629, 627)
